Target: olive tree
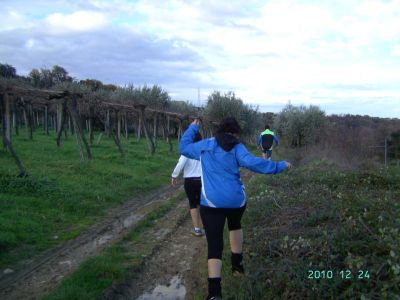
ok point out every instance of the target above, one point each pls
(220, 106)
(300, 125)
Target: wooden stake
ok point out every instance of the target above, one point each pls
(155, 129)
(118, 116)
(115, 131)
(55, 123)
(180, 130)
(61, 121)
(25, 117)
(108, 127)
(46, 119)
(15, 118)
(126, 125)
(169, 134)
(91, 114)
(99, 138)
(6, 117)
(83, 146)
(146, 133)
(139, 129)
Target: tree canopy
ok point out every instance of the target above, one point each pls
(300, 125)
(45, 78)
(7, 71)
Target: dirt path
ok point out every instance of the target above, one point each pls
(175, 270)
(44, 272)
(166, 274)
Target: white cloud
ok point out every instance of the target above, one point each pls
(396, 50)
(276, 50)
(12, 19)
(375, 8)
(79, 21)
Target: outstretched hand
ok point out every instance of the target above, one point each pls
(288, 165)
(174, 181)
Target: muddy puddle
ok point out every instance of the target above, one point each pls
(175, 290)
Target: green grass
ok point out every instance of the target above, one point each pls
(62, 195)
(331, 220)
(116, 264)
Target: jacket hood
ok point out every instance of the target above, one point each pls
(226, 141)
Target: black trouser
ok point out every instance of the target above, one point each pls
(192, 187)
(214, 222)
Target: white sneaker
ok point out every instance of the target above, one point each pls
(197, 232)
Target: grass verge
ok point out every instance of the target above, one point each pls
(62, 196)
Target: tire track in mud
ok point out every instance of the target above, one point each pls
(40, 275)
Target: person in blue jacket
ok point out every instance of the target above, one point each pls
(222, 195)
(266, 140)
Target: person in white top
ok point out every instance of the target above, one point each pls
(192, 175)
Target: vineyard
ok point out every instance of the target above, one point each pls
(55, 110)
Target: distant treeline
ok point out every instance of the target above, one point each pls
(298, 126)
(218, 105)
(348, 139)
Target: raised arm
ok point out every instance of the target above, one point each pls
(258, 164)
(186, 146)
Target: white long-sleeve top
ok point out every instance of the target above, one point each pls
(191, 167)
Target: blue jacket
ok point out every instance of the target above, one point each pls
(221, 184)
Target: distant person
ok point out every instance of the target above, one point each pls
(266, 141)
(223, 195)
(192, 184)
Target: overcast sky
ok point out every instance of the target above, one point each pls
(343, 56)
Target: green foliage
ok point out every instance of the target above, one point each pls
(300, 125)
(221, 106)
(182, 107)
(327, 220)
(251, 120)
(61, 196)
(153, 97)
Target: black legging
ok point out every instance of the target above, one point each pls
(214, 222)
(193, 191)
